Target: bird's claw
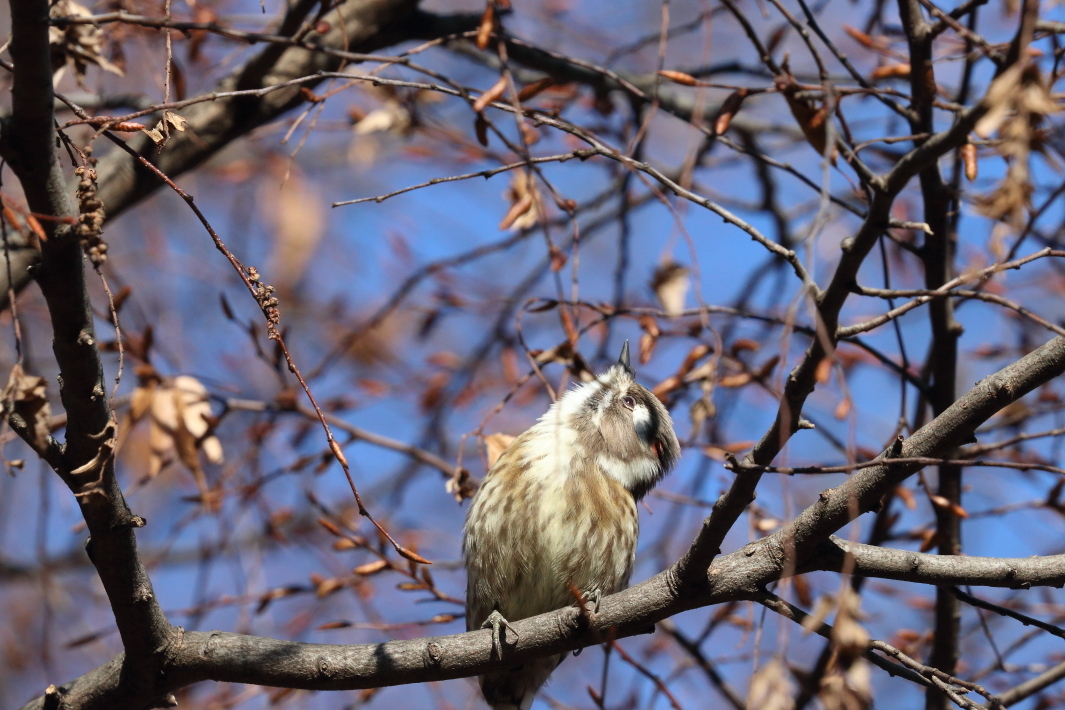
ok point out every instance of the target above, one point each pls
(592, 598)
(589, 606)
(499, 626)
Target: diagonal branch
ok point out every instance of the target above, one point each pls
(189, 657)
(355, 26)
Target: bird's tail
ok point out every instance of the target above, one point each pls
(515, 689)
(526, 704)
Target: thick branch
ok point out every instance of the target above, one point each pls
(193, 657)
(355, 26)
(863, 491)
(86, 463)
(943, 570)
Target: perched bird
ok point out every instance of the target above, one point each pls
(557, 513)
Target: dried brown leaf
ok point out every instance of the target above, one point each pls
(179, 425)
(679, 77)
(76, 46)
(155, 134)
(524, 198)
(860, 37)
(737, 380)
(492, 94)
(35, 227)
(907, 498)
(929, 539)
(891, 71)
(811, 118)
(480, 129)
(647, 347)
(671, 282)
(771, 688)
(27, 397)
(495, 445)
(297, 213)
(824, 371)
(729, 108)
(371, 567)
(530, 90)
(484, 30)
(968, 158)
(176, 120)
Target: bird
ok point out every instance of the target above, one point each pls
(556, 514)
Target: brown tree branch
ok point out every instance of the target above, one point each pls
(186, 658)
(355, 27)
(87, 462)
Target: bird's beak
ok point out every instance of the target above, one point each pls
(624, 361)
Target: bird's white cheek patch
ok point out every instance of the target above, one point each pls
(628, 473)
(641, 419)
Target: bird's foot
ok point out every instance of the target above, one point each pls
(591, 600)
(499, 626)
(589, 606)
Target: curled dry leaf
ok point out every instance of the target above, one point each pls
(860, 37)
(530, 90)
(842, 409)
(767, 367)
(76, 45)
(488, 21)
(25, 396)
(891, 71)
(1017, 103)
(127, 127)
(371, 567)
(176, 120)
(670, 283)
(729, 108)
(155, 134)
(771, 688)
(850, 637)
(649, 325)
(802, 590)
(325, 587)
(647, 347)
(740, 345)
(298, 215)
(846, 685)
(737, 380)
(495, 445)
(824, 370)
(929, 539)
(649, 339)
(525, 201)
(480, 128)
(394, 116)
(493, 94)
(558, 258)
(906, 496)
(179, 410)
(701, 410)
(848, 690)
(810, 117)
(968, 159)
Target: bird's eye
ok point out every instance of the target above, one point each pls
(628, 401)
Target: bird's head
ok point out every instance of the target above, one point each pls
(624, 426)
